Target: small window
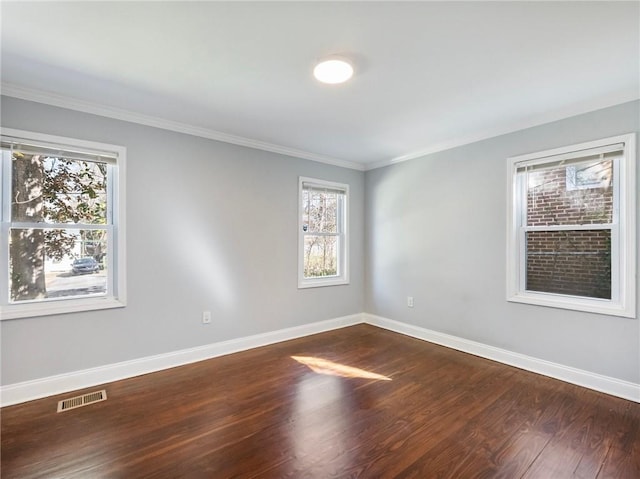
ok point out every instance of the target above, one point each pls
(323, 251)
(572, 227)
(62, 225)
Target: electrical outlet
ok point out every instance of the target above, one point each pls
(410, 301)
(206, 317)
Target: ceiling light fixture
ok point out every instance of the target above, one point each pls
(333, 70)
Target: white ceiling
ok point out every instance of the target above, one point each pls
(429, 75)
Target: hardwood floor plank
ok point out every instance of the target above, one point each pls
(620, 465)
(580, 449)
(476, 444)
(431, 413)
(623, 458)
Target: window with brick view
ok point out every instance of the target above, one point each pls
(571, 240)
(569, 261)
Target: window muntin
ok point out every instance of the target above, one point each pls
(322, 233)
(61, 203)
(571, 240)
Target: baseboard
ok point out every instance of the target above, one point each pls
(49, 386)
(605, 384)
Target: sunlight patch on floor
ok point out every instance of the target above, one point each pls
(324, 366)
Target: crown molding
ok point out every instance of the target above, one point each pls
(54, 99)
(529, 122)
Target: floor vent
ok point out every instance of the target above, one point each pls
(83, 400)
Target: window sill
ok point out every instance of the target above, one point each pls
(46, 308)
(321, 282)
(575, 303)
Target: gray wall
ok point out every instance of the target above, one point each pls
(198, 218)
(209, 226)
(436, 230)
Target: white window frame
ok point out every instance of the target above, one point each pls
(115, 296)
(343, 237)
(623, 232)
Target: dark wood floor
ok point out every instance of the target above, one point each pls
(430, 412)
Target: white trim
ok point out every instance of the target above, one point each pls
(62, 141)
(579, 154)
(39, 388)
(49, 386)
(48, 98)
(570, 227)
(580, 377)
(116, 288)
(514, 126)
(567, 151)
(5, 218)
(343, 237)
(59, 306)
(623, 228)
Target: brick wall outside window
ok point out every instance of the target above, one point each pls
(570, 262)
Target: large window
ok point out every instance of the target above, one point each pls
(571, 240)
(322, 233)
(62, 225)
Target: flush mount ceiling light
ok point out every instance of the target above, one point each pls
(333, 70)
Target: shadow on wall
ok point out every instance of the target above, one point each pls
(196, 252)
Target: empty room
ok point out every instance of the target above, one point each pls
(319, 239)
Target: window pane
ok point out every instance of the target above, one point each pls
(576, 263)
(320, 256)
(57, 190)
(577, 194)
(54, 263)
(320, 213)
